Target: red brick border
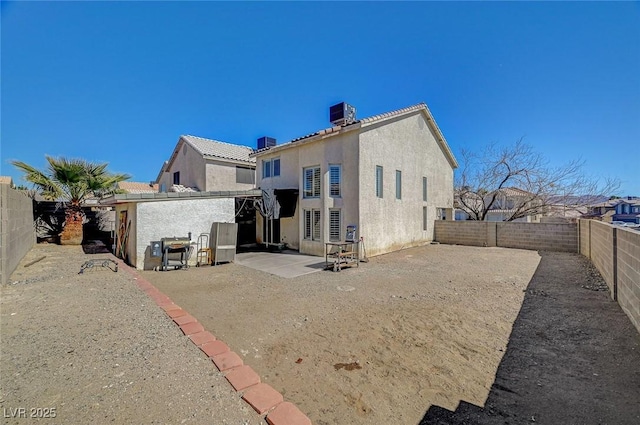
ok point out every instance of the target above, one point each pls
(260, 396)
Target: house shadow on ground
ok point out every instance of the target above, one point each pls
(573, 356)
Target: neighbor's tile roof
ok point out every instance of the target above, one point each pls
(514, 191)
(137, 187)
(5, 180)
(216, 149)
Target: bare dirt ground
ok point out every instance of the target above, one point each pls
(399, 340)
(94, 349)
(375, 344)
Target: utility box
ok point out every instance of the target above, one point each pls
(156, 248)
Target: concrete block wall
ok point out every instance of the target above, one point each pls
(628, 273)
(584, 232)
(472, 233)
(535, 236)
(601, 252)
(16, 228)
(538, 236)
(615, 252)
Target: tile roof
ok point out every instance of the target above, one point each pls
(372, 120)
(6, 180)
(216, 149)
(514, 191)
(182, 189)
(137, 187)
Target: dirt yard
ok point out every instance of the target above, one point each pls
(431, 335)
(376, 344)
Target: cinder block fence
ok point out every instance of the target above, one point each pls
(615, 252)
(535, 236)
(17, 234)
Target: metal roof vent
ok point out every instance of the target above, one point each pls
(342, 114)
(266, 142)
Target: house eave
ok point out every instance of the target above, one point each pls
(323, 134)
(170, 196)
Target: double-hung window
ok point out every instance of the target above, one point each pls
(311, 177)
(312, 224)
(379, 181)
(335, 180)
(270, 167)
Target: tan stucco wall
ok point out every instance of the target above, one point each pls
(222, 176)
(191, 166)
(340, 150)
(406, 144)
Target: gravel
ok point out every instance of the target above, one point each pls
(93, 348)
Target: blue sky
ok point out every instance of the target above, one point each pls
(120, 81)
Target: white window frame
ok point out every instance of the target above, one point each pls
(270, 165)
(335, 224)
(398, 184)
(379, 181)
(312, 176)
(335, 187)
(317, 226)
(312, 225)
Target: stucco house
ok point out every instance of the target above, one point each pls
(618, 209)
(391, 175)
(627, 210)
(205, 165)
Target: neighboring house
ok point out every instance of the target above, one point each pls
(627, 210)
(619, 209)
(138, 187)
(391, 175)
(206, 165)
(507, 202)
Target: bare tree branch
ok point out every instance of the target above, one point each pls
(519, 182)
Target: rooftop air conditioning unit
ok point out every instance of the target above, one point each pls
(266, 142)
(342, 114)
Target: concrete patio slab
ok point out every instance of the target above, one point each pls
(286, 264)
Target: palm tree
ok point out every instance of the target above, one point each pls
(71, 181)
